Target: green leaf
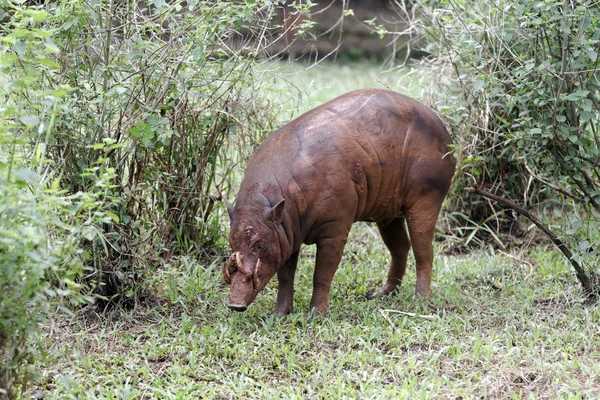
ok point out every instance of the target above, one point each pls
(8, 111)
(19, 48)
(37, 15)
(116, 146)
(52, 47)
(8, 59)
(70, 23)
(49, 63)
(583, 245)
(89, 232)
(30, 120)
(25, 175)
(159, 4)
(577, 95)
(585, 116)
(113, 216)
(592, 54)
(139, 130)
(586, 105)
(573, 138)
(478, 85)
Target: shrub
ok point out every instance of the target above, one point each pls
(41, 224)
(523, 101)
(116, 149)
(170, 101)
(165, 95)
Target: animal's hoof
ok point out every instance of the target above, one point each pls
(387, 289)
(281, 313)
(372, 294)
(422, 297)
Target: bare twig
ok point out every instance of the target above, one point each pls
(519, 260)
(387, 318)
(558, 189)
(583, 277)
(386, 312)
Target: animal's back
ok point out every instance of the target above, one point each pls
(371, 150)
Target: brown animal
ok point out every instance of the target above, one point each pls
(369, 155)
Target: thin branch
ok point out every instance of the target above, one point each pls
(558, 189)
(386, 312)
(583, 277)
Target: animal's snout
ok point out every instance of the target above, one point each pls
(237, 307)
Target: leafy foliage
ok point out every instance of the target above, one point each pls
(120, 124)
(163, 92)
(41, 224)
(526, 113)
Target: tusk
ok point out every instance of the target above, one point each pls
(238, 262)
(255, 277)
(225, 271)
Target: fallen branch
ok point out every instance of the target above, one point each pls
(387, 318)
(386, 312)
(584, 279)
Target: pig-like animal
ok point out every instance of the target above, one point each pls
(369, 155)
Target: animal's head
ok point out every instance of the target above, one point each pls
(256, 251)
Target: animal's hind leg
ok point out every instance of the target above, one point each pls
(421, 219)
(395, 238)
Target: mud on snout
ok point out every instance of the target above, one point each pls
(244, 281)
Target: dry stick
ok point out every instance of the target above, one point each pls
(581, 275)
(387, 318)
(408, 314)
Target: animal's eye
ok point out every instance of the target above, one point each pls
(260, 246)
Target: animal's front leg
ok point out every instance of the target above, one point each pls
(285, 292)
(329, 254)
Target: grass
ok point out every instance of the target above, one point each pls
(499, 326)
(300, 87)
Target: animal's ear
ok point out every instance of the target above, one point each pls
(230, 208)
(275, 213)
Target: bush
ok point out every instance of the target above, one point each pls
(116, 149)
(41, 224)
(165, 96)
(40, 235)
(170, 101)
(523, 99)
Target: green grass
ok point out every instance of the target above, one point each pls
(499, 326)
(300, 87)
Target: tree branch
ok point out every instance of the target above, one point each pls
(583, 277)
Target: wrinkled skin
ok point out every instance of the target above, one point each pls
(370, 155)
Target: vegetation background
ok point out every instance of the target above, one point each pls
(124, 126)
